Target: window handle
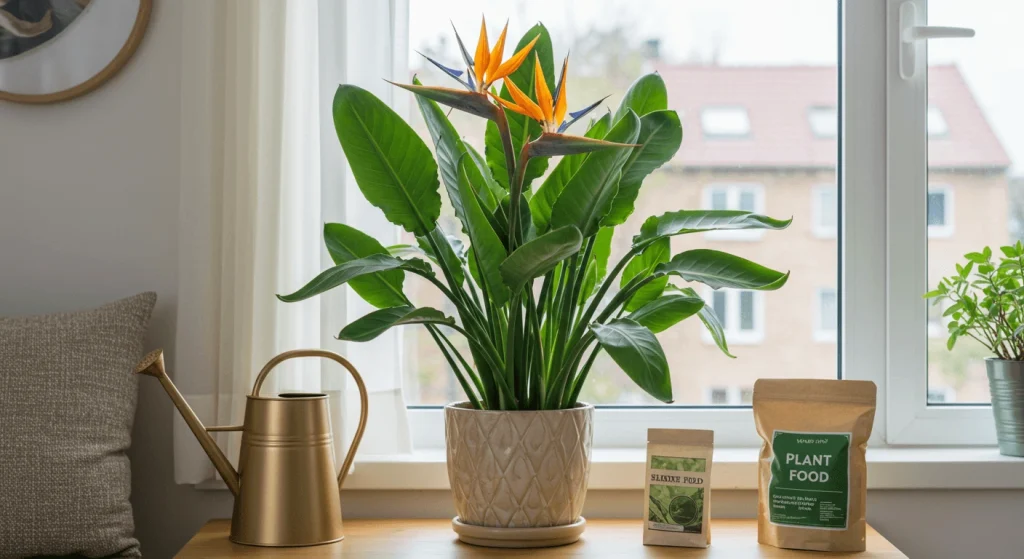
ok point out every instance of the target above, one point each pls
(911, 33)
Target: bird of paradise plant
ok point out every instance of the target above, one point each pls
(532, 290)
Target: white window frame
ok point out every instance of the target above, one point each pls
(733, 191)
(948, 228)
(883, 269)
(909, 418)
(730, 324)
(820, 230)
(824, 335)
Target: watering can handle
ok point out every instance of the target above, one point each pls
(359, 384)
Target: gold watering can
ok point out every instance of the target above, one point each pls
(286, 492)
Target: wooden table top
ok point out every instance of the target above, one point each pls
(435, 539)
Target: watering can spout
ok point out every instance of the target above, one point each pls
(153, 365)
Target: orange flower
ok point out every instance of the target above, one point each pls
(548, 110)
(486, 66)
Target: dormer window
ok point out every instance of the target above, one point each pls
(725, 122)
(936, 122)
(824, 121)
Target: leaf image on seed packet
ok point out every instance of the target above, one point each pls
(678, 487)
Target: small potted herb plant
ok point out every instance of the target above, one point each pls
(984, 300)
(529, 276)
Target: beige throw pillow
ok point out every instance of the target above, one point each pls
(67, 402)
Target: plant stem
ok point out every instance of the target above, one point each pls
(577, 385)
(455, 369)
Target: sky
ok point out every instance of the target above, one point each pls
(754, 32)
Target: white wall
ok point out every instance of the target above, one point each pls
(88, 213)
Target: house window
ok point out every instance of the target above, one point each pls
(725, 122)
(940, 211)
(825, 211)
(824, 121)
(718, 396)
(936, 123)
(740, 312)
(743, 197)
(826, 315)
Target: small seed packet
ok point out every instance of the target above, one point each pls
(677, 494)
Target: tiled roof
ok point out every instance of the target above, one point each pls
(778, 100)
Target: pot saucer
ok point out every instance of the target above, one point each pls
(489, 536)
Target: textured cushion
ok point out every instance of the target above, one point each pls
(67, 402)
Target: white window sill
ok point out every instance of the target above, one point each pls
(734, 468)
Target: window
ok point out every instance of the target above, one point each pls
(743, 197)
(741, 314)
(725, 122)
(825, 213)
(936, 122)
(824, 121)
(826, 315)
(940, 211)
(718, 396)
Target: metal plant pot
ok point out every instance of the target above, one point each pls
(519, 478)
(1006, 383)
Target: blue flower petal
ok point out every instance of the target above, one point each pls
(579, 114)
(561, 78)
(462, 47)
(457, 74)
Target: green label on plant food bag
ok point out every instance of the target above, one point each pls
(677, 494)
(810, 484)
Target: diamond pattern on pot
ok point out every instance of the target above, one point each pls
(518, 469)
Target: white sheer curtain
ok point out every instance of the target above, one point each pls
(261, 172)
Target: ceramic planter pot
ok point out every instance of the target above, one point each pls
(519, 478)
(1006, 384)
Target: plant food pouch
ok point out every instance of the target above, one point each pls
(677, 495)
(812, 482)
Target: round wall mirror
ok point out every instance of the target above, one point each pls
(52, 50)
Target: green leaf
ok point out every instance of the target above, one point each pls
(976, 257)
(696, 221)
(646, 95)
(552, 187)
(588, 196)
(718, 269)
(710, 319)
(467, 101)
(343, 273)
(488, 249)
(392, 166)
(635, 349)
(449, 258)
(1008, 251)
(346, 244)
(666, 311)
(933, 294)
(376, 323)
(660, 136)
(597, 267)
(643, 265)
(522, 128)
(540, 256)
(480, 174)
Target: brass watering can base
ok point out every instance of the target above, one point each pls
(286, 488)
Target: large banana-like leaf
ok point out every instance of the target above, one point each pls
(696, 221)
(522, 128)
(666, 311)
(448, 258)
(376, 323)
(540, 256)
(588, 196)
(643, 265)
(597, 267)
(343, 273)
(493, 193)
(488, 250)
(718, 269)
(635, 349)
(500, 218)
(709, 318)
(345, 244)
(546, 196)
(660, 137)
(646, 95)
(392, 166)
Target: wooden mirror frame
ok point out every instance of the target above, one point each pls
(108, 71)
